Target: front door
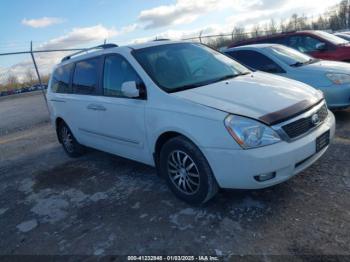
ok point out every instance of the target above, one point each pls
(122, 122)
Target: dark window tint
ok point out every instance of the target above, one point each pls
(274, 40)
(60, 79)
(277, 40)
(116, 72)
(85, 77)
(256, 60)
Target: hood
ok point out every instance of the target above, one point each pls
(254, 95)
(329, 66)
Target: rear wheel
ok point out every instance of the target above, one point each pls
(187, 171)
(69, 143)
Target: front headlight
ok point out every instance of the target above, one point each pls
(249, 133)
(338, 79)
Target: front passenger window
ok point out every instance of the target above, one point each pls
(304, 44)
(116, 72)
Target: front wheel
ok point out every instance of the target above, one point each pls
(187, 171)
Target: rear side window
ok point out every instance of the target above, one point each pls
(116, 72)
(85, 79)
(60, 79)
(277, 40)
(256, 61)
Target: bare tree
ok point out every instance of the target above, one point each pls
(256, 31)
(12, 81)
(45, 79)
(238, 34)
(272, 27)
(29, 76)
(294, 21)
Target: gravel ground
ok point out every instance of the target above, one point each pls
(103, 204)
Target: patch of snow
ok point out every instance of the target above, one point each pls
(75, 196)
(136, 206)
(98, 196)
(27, 226)
(26, 185)
(99, 252)
(218, 252)
(51, 208)
(143, 215)
(3, 210)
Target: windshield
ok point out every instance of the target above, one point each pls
(331, 38)
(343, 36)
(176, 67)
(290, 56)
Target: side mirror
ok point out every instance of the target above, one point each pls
(321, 47)
(129, 89)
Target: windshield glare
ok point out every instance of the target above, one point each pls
(175, 67)
(290, 56)
(331, 38)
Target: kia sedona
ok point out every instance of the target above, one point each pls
(202, 119)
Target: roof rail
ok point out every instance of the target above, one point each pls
(104, 46)
(161, 39)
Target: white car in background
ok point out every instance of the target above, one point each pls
(331, 77)
(203, 120)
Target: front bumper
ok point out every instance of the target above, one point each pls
(337, 96)
(237, 168)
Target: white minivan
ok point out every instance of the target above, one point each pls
(203, 120)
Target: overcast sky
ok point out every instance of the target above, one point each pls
(70, 23)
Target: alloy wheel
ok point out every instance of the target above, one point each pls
(183, 172)
(67, 139)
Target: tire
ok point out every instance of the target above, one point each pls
(68, 141)
(187, 171)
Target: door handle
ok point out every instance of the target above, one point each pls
(96, 107)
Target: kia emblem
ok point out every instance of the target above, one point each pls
(315, 119)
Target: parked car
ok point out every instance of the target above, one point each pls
(331, 77)
(317, 44)
(344, 35)
(202, 119)
(25, 89)
(10, 92)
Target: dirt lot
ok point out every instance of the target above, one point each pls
(103, 204)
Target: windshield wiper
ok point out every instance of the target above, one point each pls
(297, 64)
(310, 61)
(185, 87)
(231, 76)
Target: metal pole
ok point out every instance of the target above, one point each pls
(37, 73)
(43, 51)
(34, 62)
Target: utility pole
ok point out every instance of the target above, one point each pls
(37, 71)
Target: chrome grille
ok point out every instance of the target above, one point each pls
(303, 125)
